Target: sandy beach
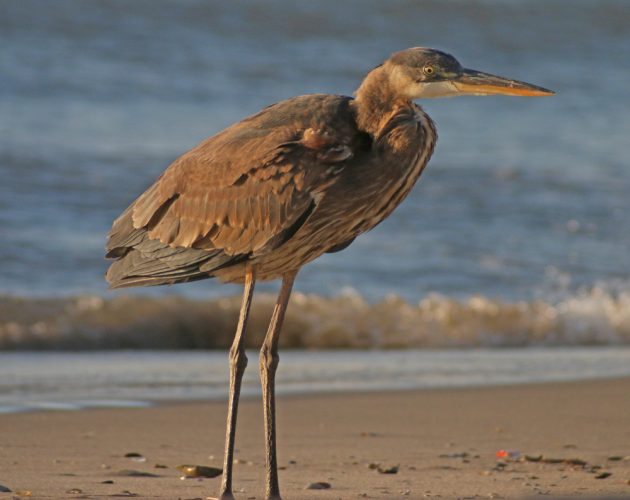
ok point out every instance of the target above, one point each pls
(568, 440)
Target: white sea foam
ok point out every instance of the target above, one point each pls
(595, 316)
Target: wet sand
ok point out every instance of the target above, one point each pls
(442, 443)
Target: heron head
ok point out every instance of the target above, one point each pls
(426, 73)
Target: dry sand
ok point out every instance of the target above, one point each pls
(443, 442)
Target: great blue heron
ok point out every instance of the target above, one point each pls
(269, 194)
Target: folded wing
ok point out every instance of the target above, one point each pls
(239, 194)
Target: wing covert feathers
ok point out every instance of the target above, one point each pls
(234, 196)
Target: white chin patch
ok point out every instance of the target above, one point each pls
(432, 90)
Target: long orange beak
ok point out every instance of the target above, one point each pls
(472, 82)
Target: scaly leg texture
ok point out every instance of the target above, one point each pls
(238, 363)
(268, 364)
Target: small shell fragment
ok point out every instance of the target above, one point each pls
(389, 470)
(136, 457)
(191, 471)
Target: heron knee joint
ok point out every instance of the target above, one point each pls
(238, 358)
(268, 358)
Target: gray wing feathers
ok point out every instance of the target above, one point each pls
(142, 261)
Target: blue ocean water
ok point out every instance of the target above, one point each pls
(517, 235)
(98, 97)
(519, 227)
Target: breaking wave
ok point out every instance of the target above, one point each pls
(589, 317)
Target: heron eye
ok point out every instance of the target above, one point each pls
(428, 70)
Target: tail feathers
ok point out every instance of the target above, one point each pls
(116, 280)
(123, 235)
(153, 263)
(141, 261)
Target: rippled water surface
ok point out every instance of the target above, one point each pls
(65, 381)
(525, 199)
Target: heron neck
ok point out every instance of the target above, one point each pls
(376, 101)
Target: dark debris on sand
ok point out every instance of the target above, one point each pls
(320, 485)
(134, 473)
(384, 469)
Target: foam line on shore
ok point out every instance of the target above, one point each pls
(588, 317)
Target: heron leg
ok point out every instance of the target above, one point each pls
(238, 363)
(268, 364)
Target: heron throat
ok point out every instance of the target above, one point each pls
(377, 99)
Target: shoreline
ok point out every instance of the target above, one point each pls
(443, 441)
(76, 381)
